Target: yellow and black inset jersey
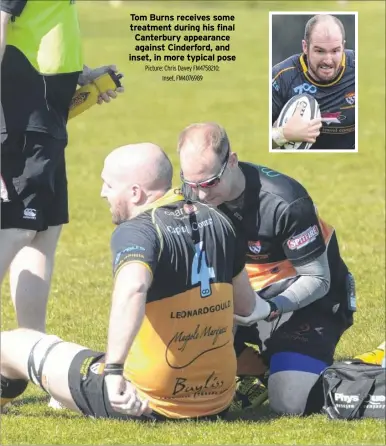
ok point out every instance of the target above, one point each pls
(183, 359)
(336, 99)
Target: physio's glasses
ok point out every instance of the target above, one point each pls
(211, 182)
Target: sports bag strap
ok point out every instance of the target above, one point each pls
(332, 411)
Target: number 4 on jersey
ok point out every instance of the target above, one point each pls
(201, 272)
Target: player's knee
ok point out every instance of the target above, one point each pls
(12, 240)
(291, 381)
(13, 377)
(9, 343)
(287, 393)
(38, 357)
(16, 346)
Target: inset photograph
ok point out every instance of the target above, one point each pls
(314, 88)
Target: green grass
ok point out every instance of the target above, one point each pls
(348, 189)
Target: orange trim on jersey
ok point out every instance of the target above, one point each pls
(327, 231)
(262, 275)
(307, 76)
(349, 106)
(282, 71)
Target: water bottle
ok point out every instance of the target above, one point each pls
(87, 96)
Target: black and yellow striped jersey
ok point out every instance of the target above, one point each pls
(183, 359)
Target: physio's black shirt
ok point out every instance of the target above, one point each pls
(279, 223)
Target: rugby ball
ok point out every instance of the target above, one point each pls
(309, 110)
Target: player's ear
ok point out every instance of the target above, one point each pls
(304, 46)
(233, 159)
(136, 194)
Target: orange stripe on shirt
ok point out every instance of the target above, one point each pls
(262, 275)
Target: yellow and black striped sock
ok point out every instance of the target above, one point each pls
(10, 389)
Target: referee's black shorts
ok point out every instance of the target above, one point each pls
(33, 181)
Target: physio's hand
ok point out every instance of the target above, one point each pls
(89, 75)
(298, 130)
(124, 398)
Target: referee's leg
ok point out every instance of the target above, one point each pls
(34, 210)
(30, 278)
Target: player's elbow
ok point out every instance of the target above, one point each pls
(325, 284)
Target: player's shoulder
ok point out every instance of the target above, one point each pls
(280, 187)
(286, 68)
(131, 230)
(350, 58)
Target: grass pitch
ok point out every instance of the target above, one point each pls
(349, 190)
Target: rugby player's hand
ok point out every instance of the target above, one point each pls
(261, 311)
(124, 398)
(89, 75)
(299, 130)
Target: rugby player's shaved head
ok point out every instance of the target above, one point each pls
(145, 164)
(135, 176)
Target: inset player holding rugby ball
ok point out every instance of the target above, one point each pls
(313, 103)
(304, 110)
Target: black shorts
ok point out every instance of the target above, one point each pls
(88, 390)
(34, 181)
(314, 331)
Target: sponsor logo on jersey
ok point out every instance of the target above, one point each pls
(275, 85)
(305, 88)
(97, 368)
(127, 250)
(268, 172)
(303, 239)
(254, 246)
(350, 98)
(333, 117)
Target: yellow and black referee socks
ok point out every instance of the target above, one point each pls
(10, 389)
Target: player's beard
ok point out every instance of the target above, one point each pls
(119, 214)
(322, 75)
